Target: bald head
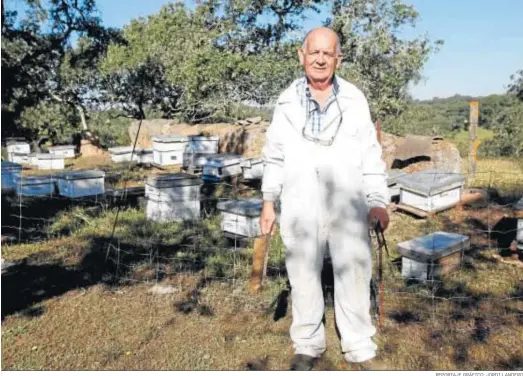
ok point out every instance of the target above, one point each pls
(322, 33)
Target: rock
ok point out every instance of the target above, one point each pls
(254, 120)
(163, 290)
(233, 138)
(248, 138)
(89, 148)
(443, 155)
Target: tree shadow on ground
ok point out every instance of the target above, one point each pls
(110, 261)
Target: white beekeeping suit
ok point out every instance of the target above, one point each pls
(326, 193)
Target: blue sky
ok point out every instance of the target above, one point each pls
(483, 41)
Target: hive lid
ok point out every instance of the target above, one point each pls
(204, 138)
(173, 180)
(393, 175)
(80, 174)
(16, 142)
(249, 162)
(167, 138)
(433, 246)
(8, 165)
(430, 181)
(46, 156)
(62, 147)
(243, 206)
(224, 159)
(121, 150)
(36, 180)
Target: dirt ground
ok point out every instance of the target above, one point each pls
(54, 318)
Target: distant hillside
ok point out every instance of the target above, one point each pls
(446, 115)
(500, 121)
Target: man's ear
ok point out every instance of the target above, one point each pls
(339, 60)
(301, 55)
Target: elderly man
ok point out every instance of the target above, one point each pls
(323, 161)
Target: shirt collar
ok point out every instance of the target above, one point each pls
(304, 90)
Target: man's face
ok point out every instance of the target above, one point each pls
(320, 58)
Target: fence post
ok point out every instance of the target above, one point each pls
(473, 138)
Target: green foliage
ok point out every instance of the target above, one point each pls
(110, 127)
(198, 65)
(376, 58)
(57, 122)
(500, 122)
(38, 64)
(509, 134)
(462, 141)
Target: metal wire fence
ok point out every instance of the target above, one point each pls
(121, 245)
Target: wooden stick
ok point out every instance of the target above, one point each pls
(259, 263)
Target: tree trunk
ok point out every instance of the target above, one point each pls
(82, 117)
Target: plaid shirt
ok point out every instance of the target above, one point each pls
(315, 115)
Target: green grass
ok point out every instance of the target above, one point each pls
(461, 139)
(91, 322)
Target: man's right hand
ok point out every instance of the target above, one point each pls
(267, 218)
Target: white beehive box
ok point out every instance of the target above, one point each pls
(252, 168)
(173, 197)
(36, 186)
(196, 161)
(121, 153)
(18, 147)
(143, 156)
(431, 190)
(392, 179)
(17, 157)
(46, 161)
(168, 149)
(221, 166)
(204, 144)
(32, 158)
(10, 174)
(81, 183)
(432, 255)
(66, 151)
(240, 217)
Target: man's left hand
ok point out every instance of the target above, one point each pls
(381, 215)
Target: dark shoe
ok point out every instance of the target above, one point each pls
(302, 362)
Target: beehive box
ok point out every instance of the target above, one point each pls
(392, 179)
(121, 153)
(143, 156)
(47, 161)
(18, 147)
(32, 158)
(168, 149)
(36, 186)
(81, 183)
(432, 255)
(66, 151)
(222, 166)
(204, 144)
(195, 161)
(17, 157)
(252, 168)
(430, 190)
(173, 197)
(240, 217)
(10, 174)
